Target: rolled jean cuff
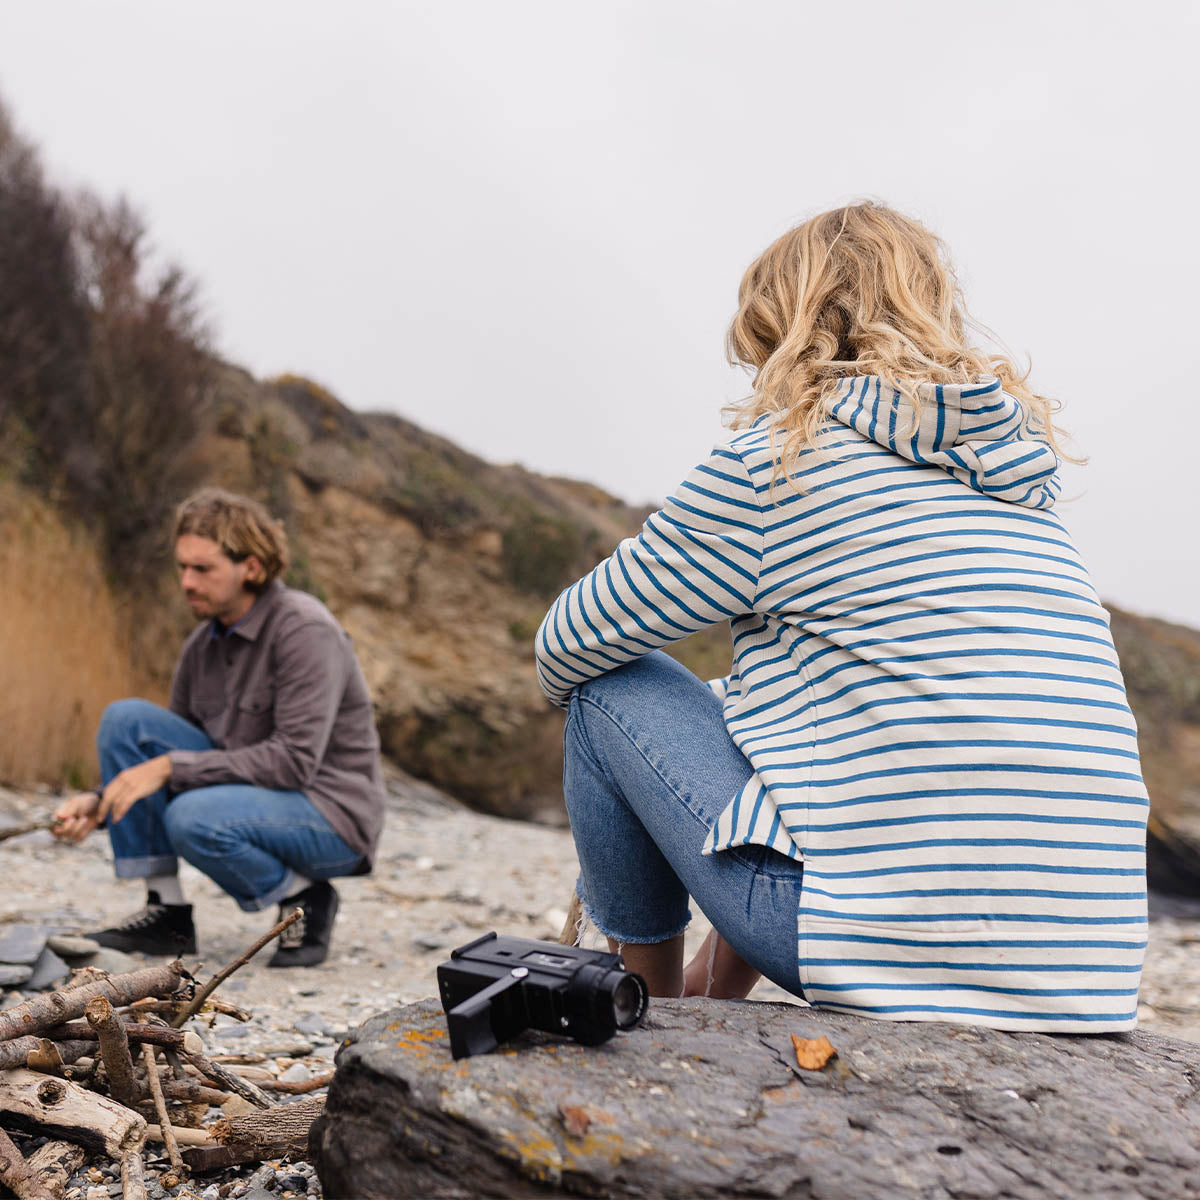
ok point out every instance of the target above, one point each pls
(139, 868)
(289, 885)
(602, 927)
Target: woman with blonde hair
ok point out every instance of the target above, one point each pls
(917, 795)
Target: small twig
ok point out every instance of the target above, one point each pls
(172, 1006)
(114, 1049)
(160, 1107)
(29, 827)
(303, 1086)
(242, 959)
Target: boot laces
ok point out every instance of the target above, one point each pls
(150, 915)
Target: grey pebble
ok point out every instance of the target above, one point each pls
(311, 1023)
(432, 941)
(47, 971)
(232, 1031)
(115, 962)
(212, 1192)
(258, 1193)
(12, 975)
(296, 1073)
(22, 943)
(292, 1183)
(70, 945)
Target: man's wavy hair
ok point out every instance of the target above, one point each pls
(240, 526)
(860, 290)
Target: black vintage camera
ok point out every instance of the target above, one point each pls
(495, 987)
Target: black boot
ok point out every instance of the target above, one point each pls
(306, 943)
(157, 929)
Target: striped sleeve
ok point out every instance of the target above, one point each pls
(695, 563)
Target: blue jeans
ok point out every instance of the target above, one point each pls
(249, 840)
(649, 766)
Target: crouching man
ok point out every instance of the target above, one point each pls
(264, 773)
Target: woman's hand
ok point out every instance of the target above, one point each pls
(76, 817)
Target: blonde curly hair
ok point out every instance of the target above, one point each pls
(860, 290)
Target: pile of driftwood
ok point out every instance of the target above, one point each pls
(103, 1066)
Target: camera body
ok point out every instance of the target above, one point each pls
(495, 987)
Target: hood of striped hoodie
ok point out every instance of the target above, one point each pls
(977, 432)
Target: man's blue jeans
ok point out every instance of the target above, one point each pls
(649, 766)
(249, 840)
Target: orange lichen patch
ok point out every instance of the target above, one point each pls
(578, 1118)
(421, 1041)
(789, 1091)
(812, 1053)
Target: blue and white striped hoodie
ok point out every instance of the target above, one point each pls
(925, 686)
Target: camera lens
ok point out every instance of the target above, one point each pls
(629, 1001)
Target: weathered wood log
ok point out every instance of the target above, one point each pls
(706, 1099)
(54, 1164)
(225, 1078)
(53, 1008)
(280, 1131)
(156, 1035)
(16, 1175)
(160, 1106)
(63, 1109)
(133, 1174)
(114, 1050)
(215, 1158)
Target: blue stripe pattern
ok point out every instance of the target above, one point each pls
(925, 687)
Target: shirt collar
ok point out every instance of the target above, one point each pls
(251, 624)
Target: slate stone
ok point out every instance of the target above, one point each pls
(311, 1023)
(14, 975)
(72, 946)
(22, 943)
(115, 962)
(48, 971)
(706, 1100)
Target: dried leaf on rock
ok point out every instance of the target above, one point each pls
(812, 1053)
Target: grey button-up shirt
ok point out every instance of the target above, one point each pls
(283, 699)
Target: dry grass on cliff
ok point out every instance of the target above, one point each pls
(62, 646)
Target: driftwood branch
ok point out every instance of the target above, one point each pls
(228, 1080)
(173, 1006)
(155, 1035)
(197, 1001)
(53, 1008)
(160, 1107)
(114, 1050)
(183, 1136)
(16, 1175)
(16, 1053)
(193, 1093)
(301, 1087)
(54, 1164)
(133, 1174)
(63, 1109)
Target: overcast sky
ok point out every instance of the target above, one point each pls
(522, 224)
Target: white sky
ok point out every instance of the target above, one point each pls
(522, 224)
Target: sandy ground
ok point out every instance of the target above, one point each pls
(444, 876)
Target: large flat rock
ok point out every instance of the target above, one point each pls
(705, 1100)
